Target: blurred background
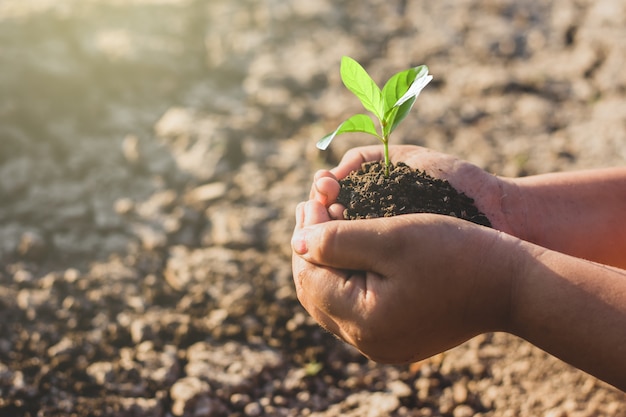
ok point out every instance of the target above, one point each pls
(152, 153)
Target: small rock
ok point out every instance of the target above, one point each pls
(31, 300)
(130, 148)
(459, 392)
(463, 411)
(64, 347)
(158, 203)
(101, 372)
(399, 389)
(71, 275)
(123, 206)
(186, 392)
(175, 122)
(294, 380)
(151, 238)
(160, 367)
(140, 330)
(205, 193)
(239, 400)
(22, 276)
(253, 409)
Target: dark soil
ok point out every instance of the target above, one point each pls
(368, 193)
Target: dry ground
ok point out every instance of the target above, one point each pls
(152, 153)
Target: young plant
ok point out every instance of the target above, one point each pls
(390, 105)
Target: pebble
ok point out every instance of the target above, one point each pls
(186, 392)
(399, 389)
(459, 391)
(23, 276)
(239, 400)
(463, 411)
(101, 372)
(206, 193)
(151, 237)
(130, 148)
(175, 122)
(253, 409)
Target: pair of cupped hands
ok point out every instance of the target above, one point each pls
(403, 288)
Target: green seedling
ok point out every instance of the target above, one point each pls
(390, 105)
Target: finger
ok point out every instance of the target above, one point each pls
(353, 159)
(367, 245)
(308, 213)
(300, 215)
(334, 298)
(326, 190)
(307, 278)
(322, 173)
(335, 211)
(325, 187)
(314, 213)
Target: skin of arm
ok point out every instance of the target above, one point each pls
(581, 213)
(575, 310)
(402, 289)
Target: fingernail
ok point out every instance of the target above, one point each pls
(298, 242)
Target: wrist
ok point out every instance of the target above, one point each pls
(508, 259)
(514, 206)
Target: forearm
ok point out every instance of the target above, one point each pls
(577, 213)
(574, 309)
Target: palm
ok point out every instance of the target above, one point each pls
(485, 189)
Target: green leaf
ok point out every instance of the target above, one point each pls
(396, 87)
(313, 368)
(399, 94)
(421, 80)
(400, 113)
(357, 123)
(357, 80)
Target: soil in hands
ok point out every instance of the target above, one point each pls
(367, 194)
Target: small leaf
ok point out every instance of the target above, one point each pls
(396, 87)
(421, 80)
(401, 112)
(313, 368)
(402, 89)
(357, 123)
(357, 80)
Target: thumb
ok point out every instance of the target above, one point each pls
(365, 245)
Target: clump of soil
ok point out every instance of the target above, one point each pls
(367, 194)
